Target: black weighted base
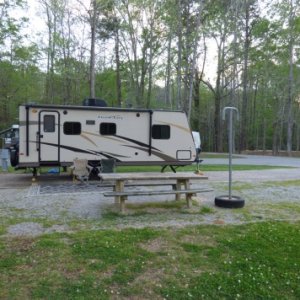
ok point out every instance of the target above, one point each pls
(225, 202)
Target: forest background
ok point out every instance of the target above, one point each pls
(158, 54)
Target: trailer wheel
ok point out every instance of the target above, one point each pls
(14, 157)
(225, 202)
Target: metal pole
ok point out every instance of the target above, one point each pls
(230, 201)
(230, 142)
(230, 152)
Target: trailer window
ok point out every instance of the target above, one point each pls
(161, 132)
(108, 128)
(72, 128)
(49, 123)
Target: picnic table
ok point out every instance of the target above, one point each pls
(181, 179)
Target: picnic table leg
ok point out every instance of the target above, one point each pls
(186, 184)
(179, 183)
(178, 188)
(188, 199)
(122, 203)
(119, 187)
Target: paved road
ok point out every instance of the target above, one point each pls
(262, 175)
(256, 160)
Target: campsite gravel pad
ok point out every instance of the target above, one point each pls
(71, 188)
(67, 188)
(60, 201)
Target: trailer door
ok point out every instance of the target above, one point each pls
(49, 137)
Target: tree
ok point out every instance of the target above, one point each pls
(51, 9)
(292, 38)
(108, 27)
(219, 28)
(93, 19)
(287, 36)
(9, 25)
(250, 18)
(139, 41)
(10, 43)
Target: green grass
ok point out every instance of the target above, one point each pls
(288, 207)
(206, 210)
(193, 168)
(255, 261)
(203, 168)
(204, 155)
(157, 205)
(286, 183)
(42, 170)
(155, 209)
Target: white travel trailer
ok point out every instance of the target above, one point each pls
(53, 135)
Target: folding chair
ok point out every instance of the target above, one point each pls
(81, 170)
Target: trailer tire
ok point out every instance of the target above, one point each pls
(14, 157)
(225, 202)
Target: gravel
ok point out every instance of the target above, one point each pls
(257, 176)
(24, 206)
(33, 229)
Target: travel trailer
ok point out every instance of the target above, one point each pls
(54, 135)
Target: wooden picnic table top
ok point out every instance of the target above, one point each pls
(152, 176)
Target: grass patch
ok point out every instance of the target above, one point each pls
(189, 168)
(11, 169)
(255, 261)
(206, 210)
(157, 205)
(192, 168)
(246, 265)
(151, 208)
(111, 215)
(286, 183)
(285, 206)
(204, 155)
(240, 186)
(41, 170)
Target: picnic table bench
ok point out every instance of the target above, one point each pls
(176, 180)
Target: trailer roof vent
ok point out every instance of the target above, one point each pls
(94, 102)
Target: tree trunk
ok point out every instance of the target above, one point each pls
(49, 77)
(290, 120)
(93, 20)
(168, 74)
(118, 71)
(196, 99)
(150, 68)
(244, 115)
(275, 146)
(196, 91)
(179, 55)
(217, 92)
(217, 122)
(141, 86)
(218, 97)
(192, 67)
